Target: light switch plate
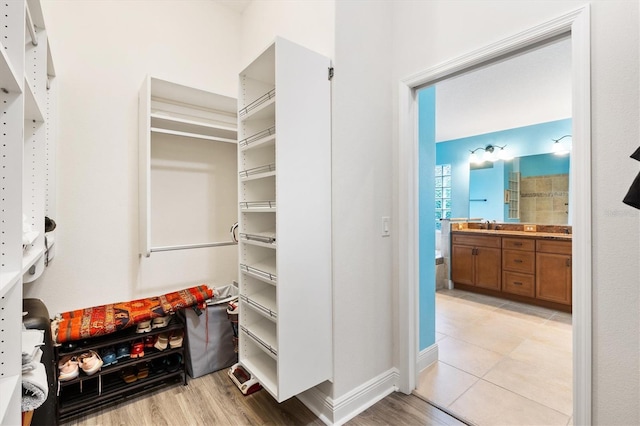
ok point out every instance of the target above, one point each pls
(386, 226)
(530, 228)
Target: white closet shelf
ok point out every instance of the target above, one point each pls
(196, 126)
(261, 139)
(263, 302)
(32, 110)
(30, 258)
(263, 333)
(191, 135)
(261, 270)
(258, 172)
(258, 206)
(262, 239)
(8, 280)
(260, 364)
(8, 79)
(256, 108)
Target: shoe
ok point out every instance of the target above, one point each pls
(143, 370)
(158, 365)
(161, 342)
(137, 349)
(144, 327)
(129, 375)
(149, 341)
(68, 368)
(173, 362)
(161, 322)
(122, 351)
(108, 356)
(90, 362)
(175, 341)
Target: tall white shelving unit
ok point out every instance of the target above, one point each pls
(284, 163)
(27, 177)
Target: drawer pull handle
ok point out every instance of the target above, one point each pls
(517, 283)
(517, 244)
(517, 260)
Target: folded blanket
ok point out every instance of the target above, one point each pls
(34, 388)
(106, 319)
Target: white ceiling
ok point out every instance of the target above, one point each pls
(533, 87)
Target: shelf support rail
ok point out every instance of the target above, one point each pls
(192, 246)
(30, 26)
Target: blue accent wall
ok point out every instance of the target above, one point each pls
(521, 141)
(544, 164)
(426, 208)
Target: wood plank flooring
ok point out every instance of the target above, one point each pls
(214, 400)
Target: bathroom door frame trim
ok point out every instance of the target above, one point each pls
(576, 24)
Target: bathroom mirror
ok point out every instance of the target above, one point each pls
(528, 189)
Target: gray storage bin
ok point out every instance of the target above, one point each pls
(210, 335)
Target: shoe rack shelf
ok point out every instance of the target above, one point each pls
(87, 393)
(284, 181)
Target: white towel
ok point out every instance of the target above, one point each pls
(34, 362)
(35, 388)
(31, 341)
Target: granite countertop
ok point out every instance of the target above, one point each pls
(527, 234)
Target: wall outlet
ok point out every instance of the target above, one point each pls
(530, 228)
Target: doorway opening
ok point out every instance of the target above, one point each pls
(576, 25)
(491, 347)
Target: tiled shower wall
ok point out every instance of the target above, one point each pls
(545, 199)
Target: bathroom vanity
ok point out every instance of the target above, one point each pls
(532, 266)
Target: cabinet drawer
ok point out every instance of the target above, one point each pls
(518, 244)
(477, 240)
(517, 283)
(553, 246)
(519, 261)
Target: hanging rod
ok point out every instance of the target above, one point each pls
(192, 246)
(478, 199)
(31, 27)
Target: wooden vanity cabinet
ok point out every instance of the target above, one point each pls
(475, 261)
(553, 271)
(518, 266)
(529, 269)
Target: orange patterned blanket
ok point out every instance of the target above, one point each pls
(105, 319)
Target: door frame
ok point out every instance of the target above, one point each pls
(577, 25)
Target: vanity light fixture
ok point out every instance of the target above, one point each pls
(490, 154)
(561, 148)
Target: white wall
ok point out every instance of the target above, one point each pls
(102, 51)
(362, 135)
(429, 33)
(309, 23)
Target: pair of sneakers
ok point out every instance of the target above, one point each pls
(173, 340)
(147, 326)
(69, 367)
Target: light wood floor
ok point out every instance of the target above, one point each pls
(214, 400)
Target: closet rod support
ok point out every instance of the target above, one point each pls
(192, 246)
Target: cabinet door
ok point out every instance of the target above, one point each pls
(553, 277)
(462, 259)
(488, 268)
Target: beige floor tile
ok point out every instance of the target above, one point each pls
(548, 386)
(487, 404)
(551, 358)
(495, 335)
(442, 384)
(525, 312)
(558, 338)
(467, 357)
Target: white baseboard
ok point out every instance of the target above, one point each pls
(427, 356)
(343, 409)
